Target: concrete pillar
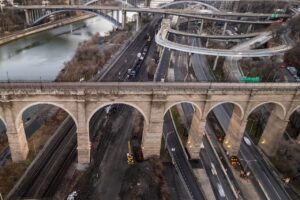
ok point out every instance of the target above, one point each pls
(16, 135)
(234, 133)
(215, 63)
(27, 17)
(236, 6)
(196, 133)
(152, 135)
(138, 23)
(201, 26)
(207, 42)
(118, 16)
(224, 29)
(272, 134)
(123, 19)
(83, 138)
(249, 28)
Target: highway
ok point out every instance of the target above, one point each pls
(179, 157)
(127, 59)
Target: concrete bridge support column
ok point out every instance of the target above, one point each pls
(201, 26)
(224, 29)
(215, 63)
(272, 134)
(235, 133)
(16, 135)
(196, 133)
(236, 5)
(123, 19)
(27, 17)
(83, 138)
(152, 135)
(249, 28)
(118, 16)
(138, 21)
(207, 42)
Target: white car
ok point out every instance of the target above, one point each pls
(221, 190)
(247, 141)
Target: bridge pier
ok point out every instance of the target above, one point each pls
(138, 23)
(152, 135)
(118, 16)
(207, 42)
(249, 28)
(236, 5)
(16, 135)
(273, 133)
(224, 29)
(83, 137)
(215, 63)
(27, 17)
(123, 19)
(201, 26)
(196, 133)
(234, 133)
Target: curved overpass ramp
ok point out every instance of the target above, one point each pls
(161, 39)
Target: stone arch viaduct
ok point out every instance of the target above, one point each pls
(152, 100)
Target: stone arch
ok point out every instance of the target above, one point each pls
(280, 105)
(91, 114)
(19, 119)
(180, 102)
(293, 110)
(241, 112)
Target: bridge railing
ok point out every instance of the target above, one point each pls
(151, 86)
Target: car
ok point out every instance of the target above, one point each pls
(213, 169)
(247, 141)
(292, 70)
(221, 190)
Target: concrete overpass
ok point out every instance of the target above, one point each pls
(152, 100)
(34, 13)
(161, 39)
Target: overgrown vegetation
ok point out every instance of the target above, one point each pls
(89, 57)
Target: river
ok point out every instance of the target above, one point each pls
(41, 56)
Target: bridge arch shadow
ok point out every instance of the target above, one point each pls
(181, 121)
(260, 120)
(116, 124)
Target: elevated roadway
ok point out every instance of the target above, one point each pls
(162, 40)
(220, 37)
(183, 13)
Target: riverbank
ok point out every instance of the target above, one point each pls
(40, 28)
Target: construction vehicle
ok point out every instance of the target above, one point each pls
(130, 160)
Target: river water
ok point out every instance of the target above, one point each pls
(41, 56)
